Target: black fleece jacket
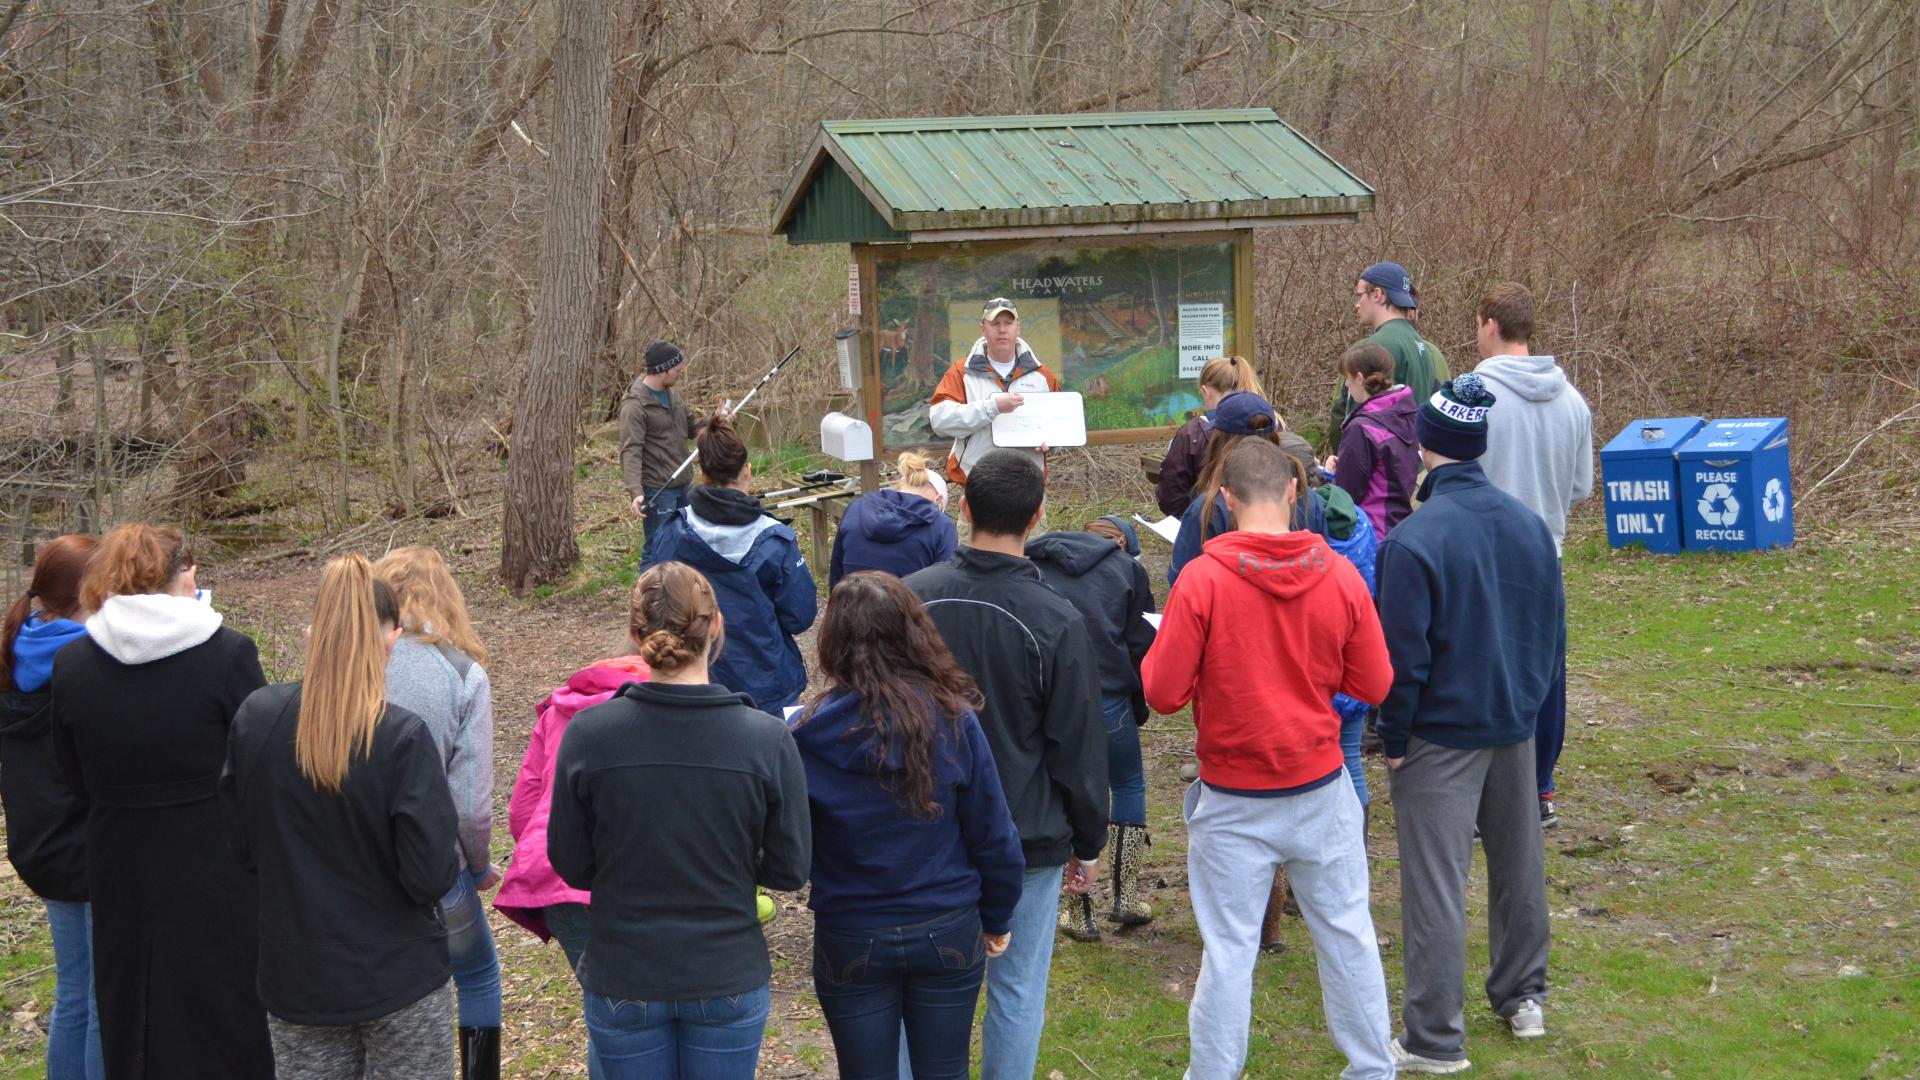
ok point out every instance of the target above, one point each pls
(350, 881)
(1111, 591)
(1028, 650)
(46, 826)
(670, 803)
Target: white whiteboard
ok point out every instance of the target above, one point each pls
(1056, 419)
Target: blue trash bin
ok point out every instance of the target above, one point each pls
(1641, 480)
(1736, 493)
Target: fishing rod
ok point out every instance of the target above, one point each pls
(731, 410)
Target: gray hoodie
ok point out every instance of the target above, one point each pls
(451, 693)
(1539, 437)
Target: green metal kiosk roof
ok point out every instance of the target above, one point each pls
(981, 177)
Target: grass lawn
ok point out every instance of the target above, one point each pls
(1732, 886)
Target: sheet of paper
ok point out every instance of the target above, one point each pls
(1203, 336)
(1152, 617)
(789, 714)
(1167, 528)
(1057, 419)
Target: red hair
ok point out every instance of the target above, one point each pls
(55, 583)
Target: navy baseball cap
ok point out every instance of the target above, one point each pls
(1236, 414)
(1393, 278)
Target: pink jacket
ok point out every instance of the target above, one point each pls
(531, 884)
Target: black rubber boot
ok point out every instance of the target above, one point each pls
(479, 1053)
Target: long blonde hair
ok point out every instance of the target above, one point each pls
(343, 694)
(1230, 374)
(431, 607)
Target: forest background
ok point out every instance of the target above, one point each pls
(290, 267)
(325, 275)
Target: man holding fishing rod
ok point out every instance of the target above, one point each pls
(655, 424)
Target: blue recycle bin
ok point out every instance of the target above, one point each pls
(1735, 490)
(1641, 481)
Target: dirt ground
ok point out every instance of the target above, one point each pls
(531, 649)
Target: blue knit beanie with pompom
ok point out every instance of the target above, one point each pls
(1453, 422)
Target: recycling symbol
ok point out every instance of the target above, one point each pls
(1774, 502)
(1718, 506)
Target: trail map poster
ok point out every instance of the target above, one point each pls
(1122, 323)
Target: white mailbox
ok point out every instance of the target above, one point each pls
(844, 438)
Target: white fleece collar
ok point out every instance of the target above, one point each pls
(144, 627)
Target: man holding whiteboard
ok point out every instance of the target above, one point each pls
(993, 378)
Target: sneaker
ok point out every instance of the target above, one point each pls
(1406, 1061)
(1548, 819)
(1529, 1020)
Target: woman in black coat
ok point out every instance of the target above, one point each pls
(341, 808)
(141, 710)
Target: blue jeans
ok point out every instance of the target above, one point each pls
(658, 505)
(926, 976)
(73, 1033)
(476, 967)
(570, 926)
(1126, 777)
(1550, 728)
(1017, 981)
(1353, 719)
(697, 1039)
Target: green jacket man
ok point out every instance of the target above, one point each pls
(1382, 298)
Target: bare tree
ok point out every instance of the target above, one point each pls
(537, 544)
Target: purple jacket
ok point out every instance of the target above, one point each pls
(531, 884)
(1380, 458)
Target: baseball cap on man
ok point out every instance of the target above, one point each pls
(1393, 278)
(1244, 412)
(997, 305)
(1453, 423)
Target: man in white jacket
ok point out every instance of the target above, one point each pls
(991, 379)
(1540, 451)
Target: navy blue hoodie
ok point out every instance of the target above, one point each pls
(895, 531)
(1475, 626)
(1111, 590)
(761, 581)
(874, 864)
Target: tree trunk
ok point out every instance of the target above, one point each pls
(1173, 52)
(63, 365)
(1049, 71)
(536, 543)
(102, 440)
(213, 459)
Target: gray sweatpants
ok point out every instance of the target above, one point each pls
(1439, 795)
(414, 1043)
(1233, 845)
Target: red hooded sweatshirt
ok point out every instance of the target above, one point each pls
(1259, 634)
